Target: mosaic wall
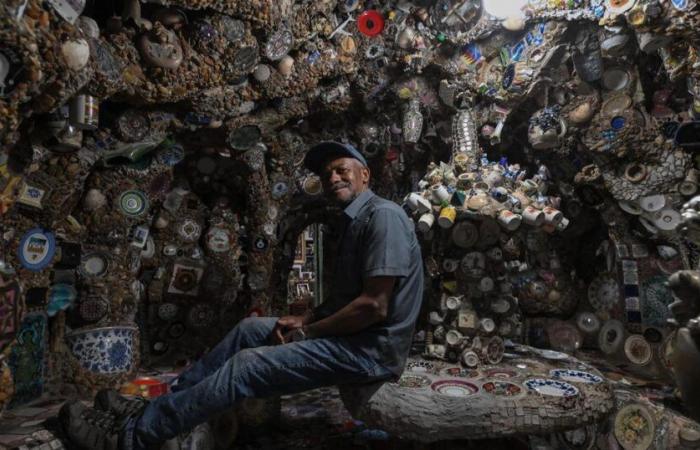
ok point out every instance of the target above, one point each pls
(152, 191)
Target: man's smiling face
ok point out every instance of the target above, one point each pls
(344, 179)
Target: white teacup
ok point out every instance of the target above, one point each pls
(533, 216)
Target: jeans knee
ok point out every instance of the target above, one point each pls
(245, 358)
(255, 327)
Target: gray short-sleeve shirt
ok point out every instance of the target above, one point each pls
(379, 240)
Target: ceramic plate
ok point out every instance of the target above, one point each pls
(603, 292)
(420, 367)
(667, 219)
(588, 322)
(37, 249)
(413, 381)
(454, 388)
(94, 265)
(652, 203)
(500, 388)
(551, 354)
(552, 388)
(460, 372)
(133, 203)
(634, 427)
(575, 376)
(630, 207)
(498, 372)
(638, 350)
(616, 104)
(564, 336)
(616, 79)
(619, 6)
(611, 336)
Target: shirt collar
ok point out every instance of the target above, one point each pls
(356, 205)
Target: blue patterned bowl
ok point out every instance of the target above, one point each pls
(106, 350)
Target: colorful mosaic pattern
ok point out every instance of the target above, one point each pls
(9, 298)
(27, 359)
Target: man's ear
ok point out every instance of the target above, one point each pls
(365, 175)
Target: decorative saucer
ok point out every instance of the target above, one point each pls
(37, 249)
(611, 336)
(454, 388)
(575, 376)
(500, 388)
(553, 388)
(551, 354)
(588, 322)
(133, 203)
(638, 350)
(504, 373)
(634, 427)
(603, 292)
(460, 372)
(94, 264)
(414, 381)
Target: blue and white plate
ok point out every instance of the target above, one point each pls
(36, 249)
(554, 388)
(575, 376)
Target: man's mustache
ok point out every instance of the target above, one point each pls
(338, 186)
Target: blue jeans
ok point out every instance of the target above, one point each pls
(244, 365)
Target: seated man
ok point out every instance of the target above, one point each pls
(362, 334)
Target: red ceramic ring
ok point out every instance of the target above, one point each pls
(370, 23)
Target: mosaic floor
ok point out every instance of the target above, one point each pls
(313, 420)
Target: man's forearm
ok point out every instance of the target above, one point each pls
(352, 318)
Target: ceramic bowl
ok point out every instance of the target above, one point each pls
(105, 350)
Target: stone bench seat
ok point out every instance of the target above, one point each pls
(435, 400)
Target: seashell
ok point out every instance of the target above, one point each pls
(94, 199)
(161, 222)
(581, 114)
(286, 65)
(406, 37)
(514, 24)
(76, 53)
(262, 72)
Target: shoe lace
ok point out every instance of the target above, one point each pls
(101, 419)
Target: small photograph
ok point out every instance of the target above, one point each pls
(300, 252)
(303, 289)
(307, 276)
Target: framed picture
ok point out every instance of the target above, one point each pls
(308, 276)
(300, 251)
(303, 289)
